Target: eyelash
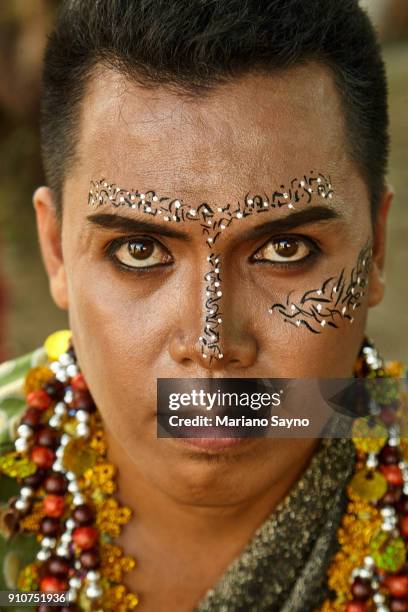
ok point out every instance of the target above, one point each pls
(111, 248)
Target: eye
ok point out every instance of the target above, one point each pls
(140, 252)
(286, 249)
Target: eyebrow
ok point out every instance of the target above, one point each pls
(317, 214)
(291, 221)
(126, 224)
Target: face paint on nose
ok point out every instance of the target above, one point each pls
(210, 340)
(213, 221)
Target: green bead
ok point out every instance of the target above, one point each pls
(388, 551)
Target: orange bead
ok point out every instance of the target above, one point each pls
(85, 537)
(39, 399)
(54, 505)
(356, 606)
(42, 456)
(78, 382)
(397, 585)
(51, 584)
(393, 474)
(404, 525)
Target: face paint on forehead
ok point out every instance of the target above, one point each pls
(333, 302)
(214, 220)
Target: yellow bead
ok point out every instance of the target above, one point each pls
(35, 378)
(15, 465)
(29, 578)
(369, 485)
(78, 457)
(57, 343)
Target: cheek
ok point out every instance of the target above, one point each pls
(118, 334)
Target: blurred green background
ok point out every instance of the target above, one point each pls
(30, 312)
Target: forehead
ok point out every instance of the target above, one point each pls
(254, 132)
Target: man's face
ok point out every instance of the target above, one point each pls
(137, 299)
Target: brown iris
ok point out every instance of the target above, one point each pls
(141, 249)
(286, 247)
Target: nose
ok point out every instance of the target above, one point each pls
(225, 340)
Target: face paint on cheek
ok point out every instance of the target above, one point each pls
(213, 221)
(333, 302)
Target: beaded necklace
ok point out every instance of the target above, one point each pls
(67, 488)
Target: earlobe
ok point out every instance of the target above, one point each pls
(49, 234)
(377, 279)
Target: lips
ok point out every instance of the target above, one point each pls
(216, 444)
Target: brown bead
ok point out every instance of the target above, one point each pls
(48, 436)
(83, 515)
(55, 483)
(83, 401)
(31, 417)
(391, 497)
(403, 504)
(50, 526)
(90, 559)
(389, 455)
(35, 479)
(58, 566)
(54, 388)
(388, 416)
(398, 605)
(361, 589)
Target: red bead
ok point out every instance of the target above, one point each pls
(85, 537)
(404, 525)
(42, 456)
(356, 606)
(51, 584)
(397, 585)
(54, 505)
(39, 399)
(393, 474)
(78, 382)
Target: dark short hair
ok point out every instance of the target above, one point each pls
(195, 45)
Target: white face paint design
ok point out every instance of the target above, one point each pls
(214, 221)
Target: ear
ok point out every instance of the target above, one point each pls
(49, 233)
(377, 280)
